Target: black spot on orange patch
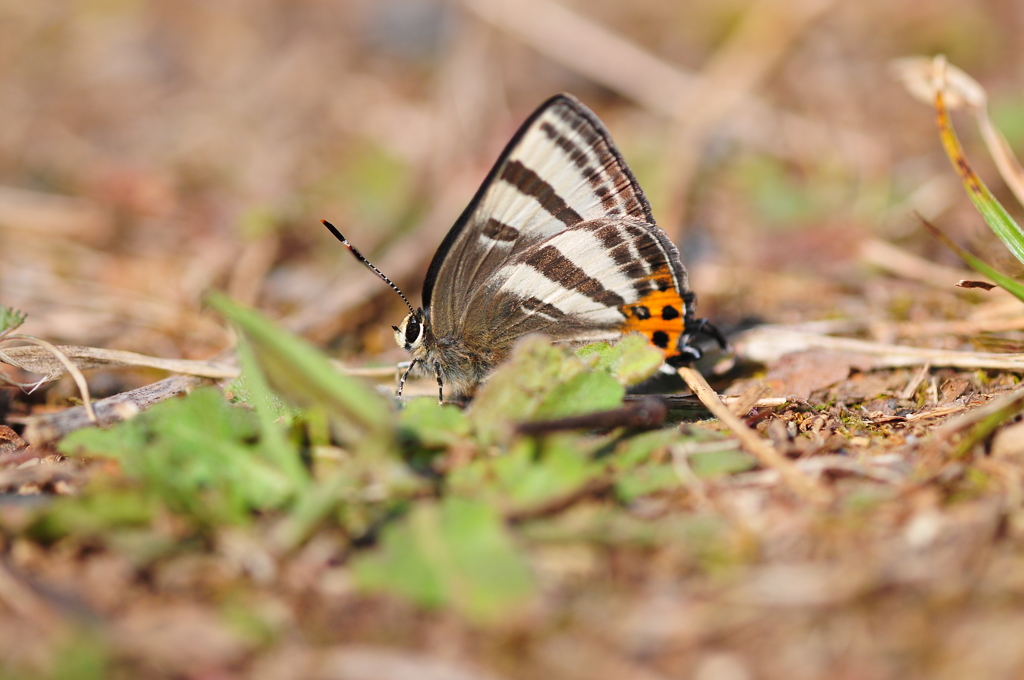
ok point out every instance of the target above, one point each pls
(658, 315)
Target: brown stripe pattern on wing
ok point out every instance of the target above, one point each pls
(610, 183)
(555, 266)
(531, 184)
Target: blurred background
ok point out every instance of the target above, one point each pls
(150, 151)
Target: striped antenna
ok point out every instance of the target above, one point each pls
(359, 256)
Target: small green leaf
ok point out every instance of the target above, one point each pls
(102, 509)
(631, 360)
(457, 553)
(519, 386)
(81, 656)
(533, 473)
(274, 445)
(583, 393)
(433, 425)
(644, 480)
(197, 454)
(10, 319)
(637, 449)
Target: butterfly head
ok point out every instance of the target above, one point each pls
(412, 331)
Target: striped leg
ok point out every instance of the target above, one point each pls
(401, 383)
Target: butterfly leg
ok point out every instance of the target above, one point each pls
(440, 383)
(401, 383)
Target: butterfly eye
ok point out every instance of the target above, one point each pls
(413, 331)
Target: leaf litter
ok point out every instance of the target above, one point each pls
(295, 523)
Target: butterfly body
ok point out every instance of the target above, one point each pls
(560, 240)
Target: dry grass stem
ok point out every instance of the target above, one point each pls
(976, 415)
(923, 76)
(51, 367)
(768, 343)
(911, 388)
(899, 262)
(796, 481)
(24, 602)
(65, 361)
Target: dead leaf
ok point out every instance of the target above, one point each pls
(801, 373)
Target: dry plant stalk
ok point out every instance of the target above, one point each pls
(961, 91)
(767, 343)
(799, 483)
(48, 364)
(65, 362)
(975, 426)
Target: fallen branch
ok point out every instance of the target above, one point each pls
(51, 427)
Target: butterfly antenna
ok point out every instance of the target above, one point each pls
(359, 256)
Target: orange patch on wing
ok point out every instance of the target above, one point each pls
(659, 316)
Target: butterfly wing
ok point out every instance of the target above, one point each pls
(595, 280)
(561, 168)
(559, 238)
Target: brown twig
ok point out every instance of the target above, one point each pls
(798, 482)
(646, 413)
(51, 427)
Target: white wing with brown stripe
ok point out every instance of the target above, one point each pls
(559, 170)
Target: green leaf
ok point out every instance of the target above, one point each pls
(638, 448)
(82, 655)
(631, 360)
(304, 376)
(197, 454)
(102, 508)
(1012, 286)
(457, 553)
(432, 425)
(10, 320)
(533, 473)
(274, 445)
(645, 480)
(583, 393)
(519, 386)
(718, 463)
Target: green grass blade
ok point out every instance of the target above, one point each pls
(1008, 231)
(1014, 287)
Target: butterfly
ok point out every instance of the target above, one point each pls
(560, 240)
